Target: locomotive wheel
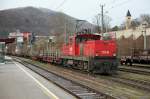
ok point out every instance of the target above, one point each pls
(85, 66)
(64, 62)
(75, 64)
(80, 65)
(130, 63)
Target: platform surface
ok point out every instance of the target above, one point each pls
(19, 82)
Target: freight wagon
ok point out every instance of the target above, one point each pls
(2, 52)
(138, 56)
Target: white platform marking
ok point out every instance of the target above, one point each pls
(45, 90)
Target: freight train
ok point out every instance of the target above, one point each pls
(87, 52)
(138, 56)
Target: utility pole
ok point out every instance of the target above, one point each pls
(144, 31)
(65, 30)
(102, 20)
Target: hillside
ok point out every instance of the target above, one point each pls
(38, 20)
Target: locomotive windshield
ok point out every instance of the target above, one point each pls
(107, 36)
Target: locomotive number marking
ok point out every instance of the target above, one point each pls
(105, 52)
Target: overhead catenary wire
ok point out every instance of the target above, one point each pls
(61, 4)
(113, 1)
(119, 4)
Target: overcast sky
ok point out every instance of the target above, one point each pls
(86, 9)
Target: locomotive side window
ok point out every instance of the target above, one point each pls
(87, 37)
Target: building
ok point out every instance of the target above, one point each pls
(128, 20)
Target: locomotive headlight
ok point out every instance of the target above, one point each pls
(114, 54)
(96, 54)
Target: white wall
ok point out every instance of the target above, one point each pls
(128, 33)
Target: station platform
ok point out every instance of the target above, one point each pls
(19, 82)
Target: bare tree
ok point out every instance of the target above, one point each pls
(135, 23)
(107, 20)
(145, 17)
(97, 21)
(115, 28)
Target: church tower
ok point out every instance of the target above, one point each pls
(128, 20)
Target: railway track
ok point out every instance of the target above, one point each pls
(131, 82)
(138, 84)
(140, 66)
(134, 70)
(74, 88)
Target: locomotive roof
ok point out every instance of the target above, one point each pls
(89, 35)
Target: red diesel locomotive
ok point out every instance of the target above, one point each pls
(90, 52)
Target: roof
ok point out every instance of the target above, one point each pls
(128, 13)
(7, 40)
(4, 34)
